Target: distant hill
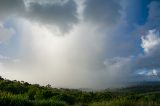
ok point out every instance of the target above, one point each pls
(145, 86)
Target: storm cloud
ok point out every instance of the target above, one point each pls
(60, 14)
(102, 47)
(103, 12)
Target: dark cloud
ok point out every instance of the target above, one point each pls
(11, 7)
(103, 12)
(148, 62)
(63, 15)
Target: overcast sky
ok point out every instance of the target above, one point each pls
(80, 43)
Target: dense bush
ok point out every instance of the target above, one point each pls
(14, 100)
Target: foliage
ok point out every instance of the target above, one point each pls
(20, 93)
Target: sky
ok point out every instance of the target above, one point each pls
(80, 43)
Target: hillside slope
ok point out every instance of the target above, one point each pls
(20, 93)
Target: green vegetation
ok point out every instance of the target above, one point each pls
(20, 93)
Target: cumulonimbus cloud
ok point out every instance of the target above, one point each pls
(97, 52)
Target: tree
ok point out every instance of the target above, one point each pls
(1, 78)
